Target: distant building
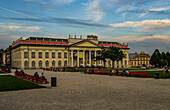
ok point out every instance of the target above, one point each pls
(2, 56)
(36, 52)
(139, 60)
(8, 60)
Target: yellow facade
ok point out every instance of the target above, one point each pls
(72, 52)
(140, 60)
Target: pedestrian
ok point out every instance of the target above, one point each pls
(117, 72)
(167, 70)
(36, 74)
(163, 69)
(40, 75)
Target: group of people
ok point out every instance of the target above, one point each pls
(35, 74)
(123, 73)
(40, 75)
(165, 69)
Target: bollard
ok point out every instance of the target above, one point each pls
(53, 81)
(156, 75)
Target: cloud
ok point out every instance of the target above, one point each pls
(147, 43)
(146, 25)
(19, 27)
(94, 10)
(16, 12)
(49, 3)
(160, 9)
(63, 21)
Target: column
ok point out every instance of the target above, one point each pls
(77, 58)
(72, 58)
(90, 58)
(127, 59)
(123, 62)
(56, 55)
(50, 58)
(43, 56)
(22, 59)
(36, 58)
(84, 58)
(29, 59)
(95, 62)
(68, 58)
(62, 58)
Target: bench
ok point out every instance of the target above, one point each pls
(99, 72)
(31, 78)
(4, 70)
(138, 74)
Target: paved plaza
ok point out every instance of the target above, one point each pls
(79, 91)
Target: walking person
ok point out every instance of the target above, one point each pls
(167, 70)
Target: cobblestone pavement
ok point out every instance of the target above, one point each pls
(78, 91)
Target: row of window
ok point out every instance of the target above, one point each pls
(46, 55)
(142, 58)
(140, 63)
(46, 63)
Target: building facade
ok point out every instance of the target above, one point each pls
(139, 60)
(35, 52)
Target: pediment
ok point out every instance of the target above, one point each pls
(84, 44)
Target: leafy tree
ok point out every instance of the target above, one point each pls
(102, 55)
(156, 58)
(115, 54)
(168, 58)
(164, 59)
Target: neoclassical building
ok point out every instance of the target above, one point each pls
(139, 60)
(36, 52)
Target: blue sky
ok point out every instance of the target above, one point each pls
(143, 24)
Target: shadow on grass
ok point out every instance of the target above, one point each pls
(11, 83)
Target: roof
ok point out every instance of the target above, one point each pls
(132, 55)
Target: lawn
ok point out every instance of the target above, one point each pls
(10, 83)
(1, 72)
(151, 74)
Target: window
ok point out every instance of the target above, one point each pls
(25, 54)
(59, 63)
(65, 63)
(46, 55)
(109, 63)
(40, 64)
(125, 62)
(59, 54)
(33, 54)
(40, 54)
(47, 63)
(65, 55)
(132, 62)
(33, 64)
(53, 54)
(53, 63)
(125, 55)
(26, 64)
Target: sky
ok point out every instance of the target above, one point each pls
(143, 24)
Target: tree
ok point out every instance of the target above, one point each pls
(164, 59)
(156, 58)
(168, 58)
(102, 55)
(115, 54)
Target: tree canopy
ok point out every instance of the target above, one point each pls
(112, 53)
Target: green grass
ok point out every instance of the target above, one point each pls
(1, 72)
(10, 83)
(151, 74)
